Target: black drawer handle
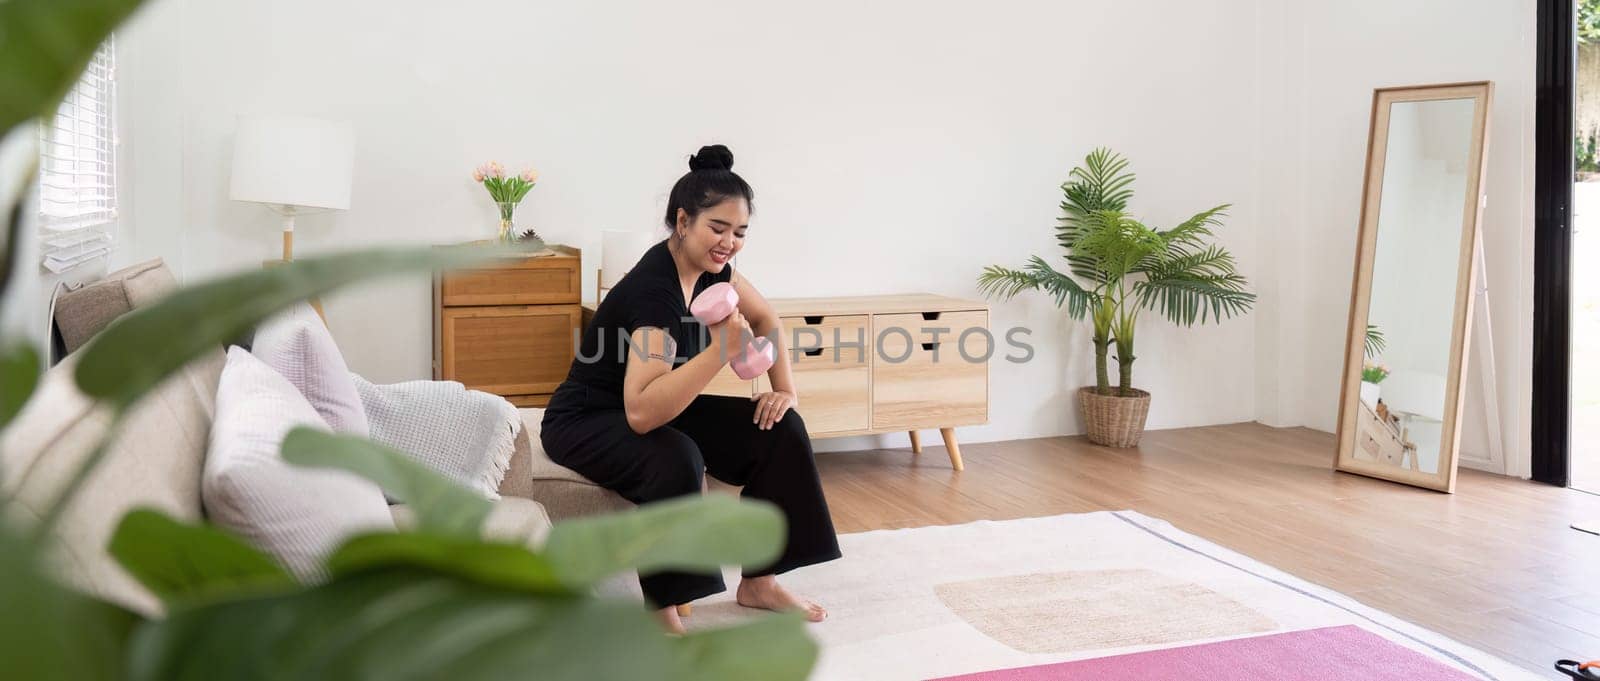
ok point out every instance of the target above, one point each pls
(929, 346)
(930, 316)
(814, 352)
(813, 319)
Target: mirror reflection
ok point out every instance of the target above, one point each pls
(1415, 277)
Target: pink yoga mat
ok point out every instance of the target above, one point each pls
(1347, 653)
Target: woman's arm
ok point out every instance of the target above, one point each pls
(771, 405)
(764, 321)
(652, 392)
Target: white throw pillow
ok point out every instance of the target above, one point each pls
(298, 515)
(297, 344)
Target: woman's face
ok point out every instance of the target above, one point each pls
(714, 236)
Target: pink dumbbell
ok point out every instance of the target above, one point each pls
(714, 305)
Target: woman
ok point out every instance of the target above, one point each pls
(630, 417)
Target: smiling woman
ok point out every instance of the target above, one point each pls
(709, 184)
(630, 416)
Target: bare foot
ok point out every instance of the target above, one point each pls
(765, 593)
(670, 620)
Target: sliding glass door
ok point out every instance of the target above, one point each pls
(1584, 417)
(1557, 143)
(1566, 334)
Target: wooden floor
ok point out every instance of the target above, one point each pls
(1494, 565)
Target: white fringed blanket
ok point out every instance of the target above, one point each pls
(464, 434)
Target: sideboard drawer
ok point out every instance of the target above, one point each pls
(926, 383)
(534, 281)
(923, 328)
(508, 349)
(827, 331)
(835, 395)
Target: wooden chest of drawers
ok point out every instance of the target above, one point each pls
(878, 364)
(509, 329)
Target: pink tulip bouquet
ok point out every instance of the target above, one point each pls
(1374, 372)
(507, 192)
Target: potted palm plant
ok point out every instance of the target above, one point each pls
(1117, 267)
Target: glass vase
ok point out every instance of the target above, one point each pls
(508, 226)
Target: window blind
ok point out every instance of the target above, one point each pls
(78, 169)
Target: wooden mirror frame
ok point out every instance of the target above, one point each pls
(1444, 479)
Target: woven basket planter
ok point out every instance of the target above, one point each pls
(1113, 420)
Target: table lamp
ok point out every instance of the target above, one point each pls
(619, 252)
(293, 164)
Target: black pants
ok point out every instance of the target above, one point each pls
(587, 431)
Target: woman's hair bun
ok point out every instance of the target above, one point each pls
(713, 157)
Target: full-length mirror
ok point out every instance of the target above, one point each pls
(1405, 354)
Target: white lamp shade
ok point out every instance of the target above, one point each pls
(1415, 392)
(619, 252)
(293, 161)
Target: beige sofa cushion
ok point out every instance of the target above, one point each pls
(154, 462)
(563, 492)
(81, 313)
(524, 521)
(512, 520)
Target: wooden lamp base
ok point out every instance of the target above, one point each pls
(288, 257)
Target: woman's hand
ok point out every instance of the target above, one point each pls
(729, 336)
(771, 406)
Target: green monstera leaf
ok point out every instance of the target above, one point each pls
(697, 533)
(406, 624)
(136, 352)
(50, 633)
(44, 45)
(440, 506)
(182, 563)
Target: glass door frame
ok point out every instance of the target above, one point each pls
(1552, 241)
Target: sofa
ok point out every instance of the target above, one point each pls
(157, 457)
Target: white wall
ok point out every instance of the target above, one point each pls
(894, 146)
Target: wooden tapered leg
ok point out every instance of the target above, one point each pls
(685, 610)
(916, 443)
(288, 239)
(950, 445)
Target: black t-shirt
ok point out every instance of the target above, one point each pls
(649, 295)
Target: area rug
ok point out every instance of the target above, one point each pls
(1024, 599)
(1328, 654)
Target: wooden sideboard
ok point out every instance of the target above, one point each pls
(879, 364)
(508, 328)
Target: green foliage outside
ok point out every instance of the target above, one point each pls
(1588, 21)
(1586, 153)
(1586, 144)
(438, 602)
